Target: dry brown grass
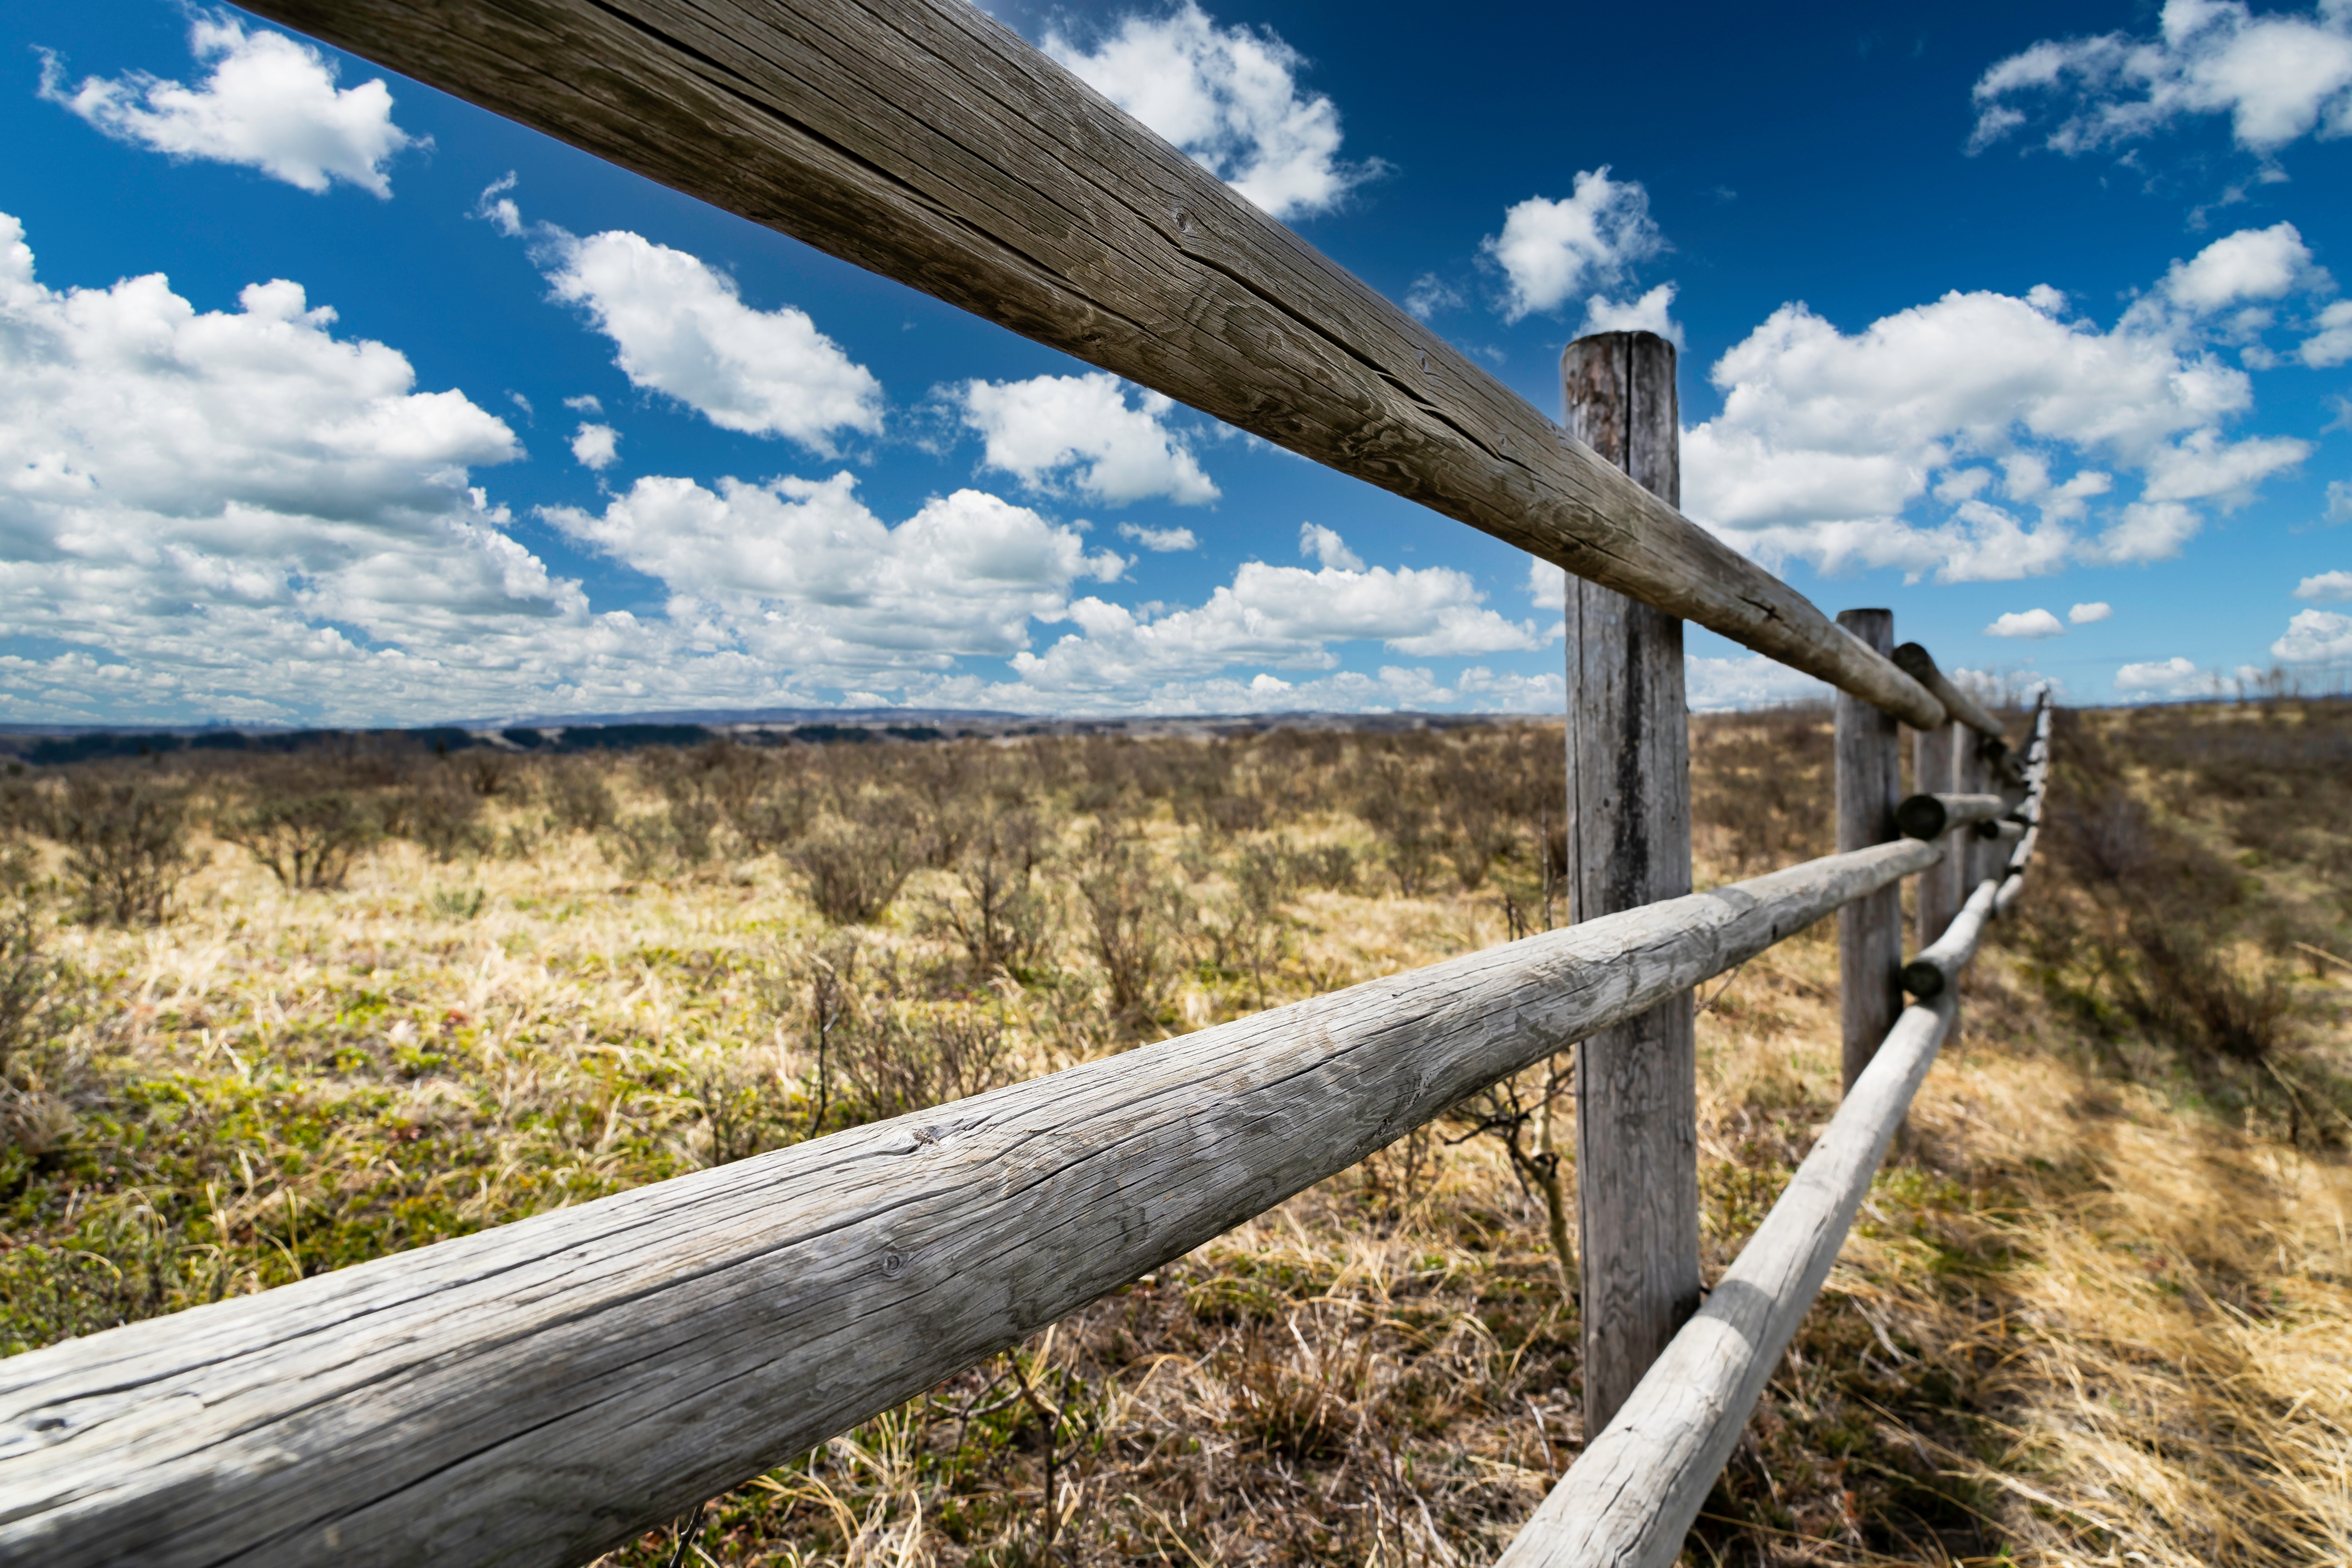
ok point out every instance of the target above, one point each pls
(2098, 1310)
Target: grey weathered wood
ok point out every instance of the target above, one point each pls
(1976, 782)
(924, 140)
(1920, 666)
(535, 1394)
(1632, 1495)
(2013, 883)
(2028, 812)
(1931, 815)
(2000, 832)
(1938, 895)
(1937, 968)
(1629, 843)
(1870, 930)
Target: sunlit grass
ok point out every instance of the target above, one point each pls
(2098, 1310)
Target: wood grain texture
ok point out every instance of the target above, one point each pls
(1629, 843)
(1869, 762)
(1918, 664)
(1937, 968)
(1941, 890)
(1931, 815)
(536, 1393)
(1632, 1495)
(924, 140)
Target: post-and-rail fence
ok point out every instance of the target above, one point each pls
(536, 1393)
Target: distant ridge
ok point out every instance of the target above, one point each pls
(726, 718)
(61, 745)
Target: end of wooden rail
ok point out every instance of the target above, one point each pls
(1918, 664)
(1929, 816)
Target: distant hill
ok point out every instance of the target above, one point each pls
(54, 745)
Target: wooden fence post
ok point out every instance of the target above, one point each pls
(1936, 769)
(1870, 929)
(1629, 845)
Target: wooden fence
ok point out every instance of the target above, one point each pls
(536, 1393)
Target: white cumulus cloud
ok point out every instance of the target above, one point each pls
(1328, 548)
(1230, 99)
(1647, 314)
(269, 103)
(800, 575)
(2325, 588)
(2086, 614)
(679, 327)
(2278, 76)
(2251, 264)
(2313, 637)
(2174, 677)
(596, 446)
(1429, 294)
(2030, 623)
(1829, 441)
(1283, 617)
(239, 513)
(1546, 584)
(1081, 430)
(1749, 680)
(2331, 343)
(1159, 540)
(1552, 249)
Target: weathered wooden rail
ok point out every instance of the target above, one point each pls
(533, 1393)
(1630, 1497)
(536, 1393)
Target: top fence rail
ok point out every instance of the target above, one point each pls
(923, 140)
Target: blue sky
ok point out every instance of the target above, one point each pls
(328, 399)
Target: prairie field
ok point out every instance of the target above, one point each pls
(265, 1014)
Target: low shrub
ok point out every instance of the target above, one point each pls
(851, 871)
(310, 839)
(126, 842)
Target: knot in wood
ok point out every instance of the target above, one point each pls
(893, 1264)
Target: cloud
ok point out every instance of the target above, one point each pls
(2340, 501)
(2251, 264)
(800, 575)
(586, 403)
(1282, 617)
(2087, 615)
(1717, 685)
(1546, 584)
(1160, 540)
(1329, 548)
(2332, 344)
(1829, 441)
(1394, 688)
(680, 327)
(1429, 294)
(1549, 250)
(2278, 76)
(2167, 678)
(2327, 588)
(1079, 430)
(1229, 98)
(270, 103)
(596, 446)
(239, 513)
(2030, 623)
(1647, 314)
(2315, 635)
